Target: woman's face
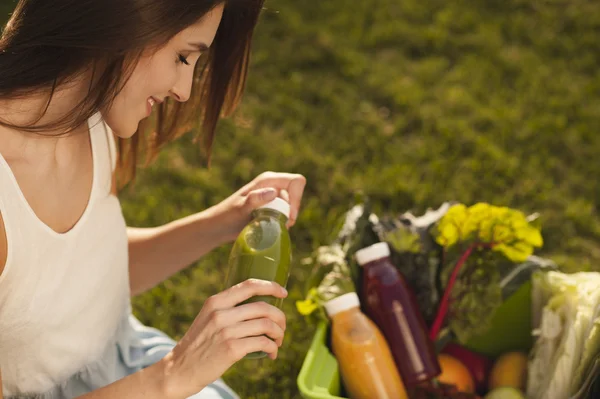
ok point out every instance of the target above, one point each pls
(161, 74)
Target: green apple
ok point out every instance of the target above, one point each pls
(505, 393)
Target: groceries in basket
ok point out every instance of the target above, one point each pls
(465, 308)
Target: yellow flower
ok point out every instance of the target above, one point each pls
(506, 230)
(308, 305)
(517, 252)
(449, 226)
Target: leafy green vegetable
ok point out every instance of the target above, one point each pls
(565, 323)
(475, 296)
(590, 386)
(472, 237)
(591, 354)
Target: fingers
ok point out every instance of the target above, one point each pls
(296, 190)
(284, 195)
(270, 179)
(254, 328)
(293, 183)
(238, 348)
(260, 197)
(255, 310)
(243, 291)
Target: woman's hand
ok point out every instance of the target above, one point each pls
(235, 211)
(224, 333)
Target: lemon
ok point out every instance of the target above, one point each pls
(505, 393)
(509, 370)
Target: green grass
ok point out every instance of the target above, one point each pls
(412, 101)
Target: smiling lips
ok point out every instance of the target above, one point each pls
(150, 103)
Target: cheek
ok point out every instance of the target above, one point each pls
(126, 112)
(156, 75)
(129, 107)
(152, 77)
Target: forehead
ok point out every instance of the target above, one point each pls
(203, 30)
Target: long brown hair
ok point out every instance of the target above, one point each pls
(48, 42)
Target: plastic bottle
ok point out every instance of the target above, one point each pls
(364, 358)
(263, 251)
(391, 304)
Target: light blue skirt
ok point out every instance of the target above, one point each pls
(136, 346)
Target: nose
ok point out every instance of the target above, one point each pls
(180, 95)
(182, 89)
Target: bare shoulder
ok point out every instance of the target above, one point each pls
(3, 245)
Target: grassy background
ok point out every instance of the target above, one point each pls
(414, 102)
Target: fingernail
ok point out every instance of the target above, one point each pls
(285, 292)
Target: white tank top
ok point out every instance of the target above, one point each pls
(61, 295)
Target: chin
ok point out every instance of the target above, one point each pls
(121, 128)
(124, 134)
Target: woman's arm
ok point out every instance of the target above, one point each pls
(157, 253)
(224, 331)
(148, 383)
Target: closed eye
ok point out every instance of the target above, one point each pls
(183, 60)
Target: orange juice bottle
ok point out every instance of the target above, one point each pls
(366, 363)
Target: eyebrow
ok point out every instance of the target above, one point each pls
(199, 46)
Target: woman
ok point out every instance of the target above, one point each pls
(76, 77)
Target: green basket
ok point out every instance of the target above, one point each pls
(319, 376)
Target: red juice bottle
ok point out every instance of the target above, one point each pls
(391, 304)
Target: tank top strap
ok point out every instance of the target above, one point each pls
(112, 146)
(13, 206)
(104, 153)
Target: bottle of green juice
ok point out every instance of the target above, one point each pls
(263, 251)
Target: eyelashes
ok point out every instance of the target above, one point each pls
(183, 60)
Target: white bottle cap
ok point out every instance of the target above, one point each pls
(279, 205)
(341, 303)
(371, 253)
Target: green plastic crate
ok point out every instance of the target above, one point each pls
(319, 376)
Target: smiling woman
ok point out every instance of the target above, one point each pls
(146, 50)
(75, 75)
